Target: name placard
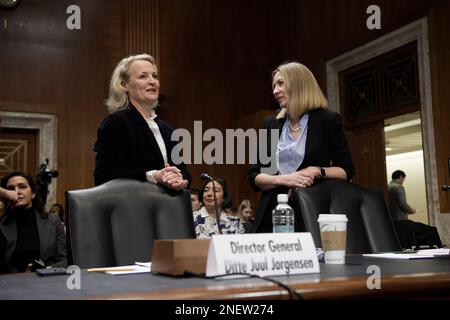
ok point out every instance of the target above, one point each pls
(263, 254)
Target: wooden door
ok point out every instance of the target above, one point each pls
(368, 154)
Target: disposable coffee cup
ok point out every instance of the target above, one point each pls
(333, 231)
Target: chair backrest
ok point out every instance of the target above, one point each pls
(116, 223)
(369, 228)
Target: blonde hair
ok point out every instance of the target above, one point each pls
(118, 98)
(303, 90)
(244, 205)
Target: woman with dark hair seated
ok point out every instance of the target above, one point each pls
(29, 238)
(205, 220)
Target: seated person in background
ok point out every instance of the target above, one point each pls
(59, 210)
(29, 237)
(232, 211)
(132, 141)
(410, 233)
(205, 221)
(195, 199)
(245, 213)
(397, 197)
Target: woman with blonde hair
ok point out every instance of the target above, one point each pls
(311, 146)
(245, 212)
(131, 141)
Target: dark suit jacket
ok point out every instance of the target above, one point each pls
(326, 145)
(52, 240)
(127, 148)
(397, 202)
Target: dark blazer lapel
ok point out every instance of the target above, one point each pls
(277, 124)
(310, 138)
(9, 230)
(139, 119)
(166, 135)
(273, 124)
(44, 230)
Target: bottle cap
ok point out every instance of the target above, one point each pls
(282, 198)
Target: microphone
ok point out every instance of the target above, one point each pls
(206, 177)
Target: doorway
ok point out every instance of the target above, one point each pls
(43, 128)
(18, 152)
(404, 151)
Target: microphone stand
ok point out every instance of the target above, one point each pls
(216, 207)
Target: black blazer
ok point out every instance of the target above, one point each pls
(127, 148)
(52, 241)
(326, 145)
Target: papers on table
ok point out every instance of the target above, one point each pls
(138, 267)
(144, 264)
(435, 252)
(399, 255)
(410, 255)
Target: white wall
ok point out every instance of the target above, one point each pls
(412, 164)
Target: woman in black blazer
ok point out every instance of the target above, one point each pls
(29, 237)
(311, 145)
(132, 142)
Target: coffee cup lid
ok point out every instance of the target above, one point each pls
(327, 217)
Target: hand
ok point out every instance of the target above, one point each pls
(171, 177)
(11, 195)
(299, 179)
(178, 184)
(312, 172)
(29, 268)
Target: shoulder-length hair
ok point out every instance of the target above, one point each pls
(244, 205)
(303, 90)
(227, 202)
(37, 201)
(118, 97)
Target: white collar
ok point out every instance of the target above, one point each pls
(204, 214)
(153, 115)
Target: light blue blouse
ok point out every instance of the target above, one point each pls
(290, 152)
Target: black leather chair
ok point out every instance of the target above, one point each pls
(116, 223)
(369, 228)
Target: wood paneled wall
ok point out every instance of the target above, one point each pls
(440, 79)
(47, 68)
(215, 59)
(321, 30)
(140, 27)
(341, 26)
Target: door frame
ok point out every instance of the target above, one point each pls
(416, 31)
(47, 126)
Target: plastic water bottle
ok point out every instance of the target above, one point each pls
(283, 216)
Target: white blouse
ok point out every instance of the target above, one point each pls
(206, 226)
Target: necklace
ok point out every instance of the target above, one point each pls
(294, 129)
